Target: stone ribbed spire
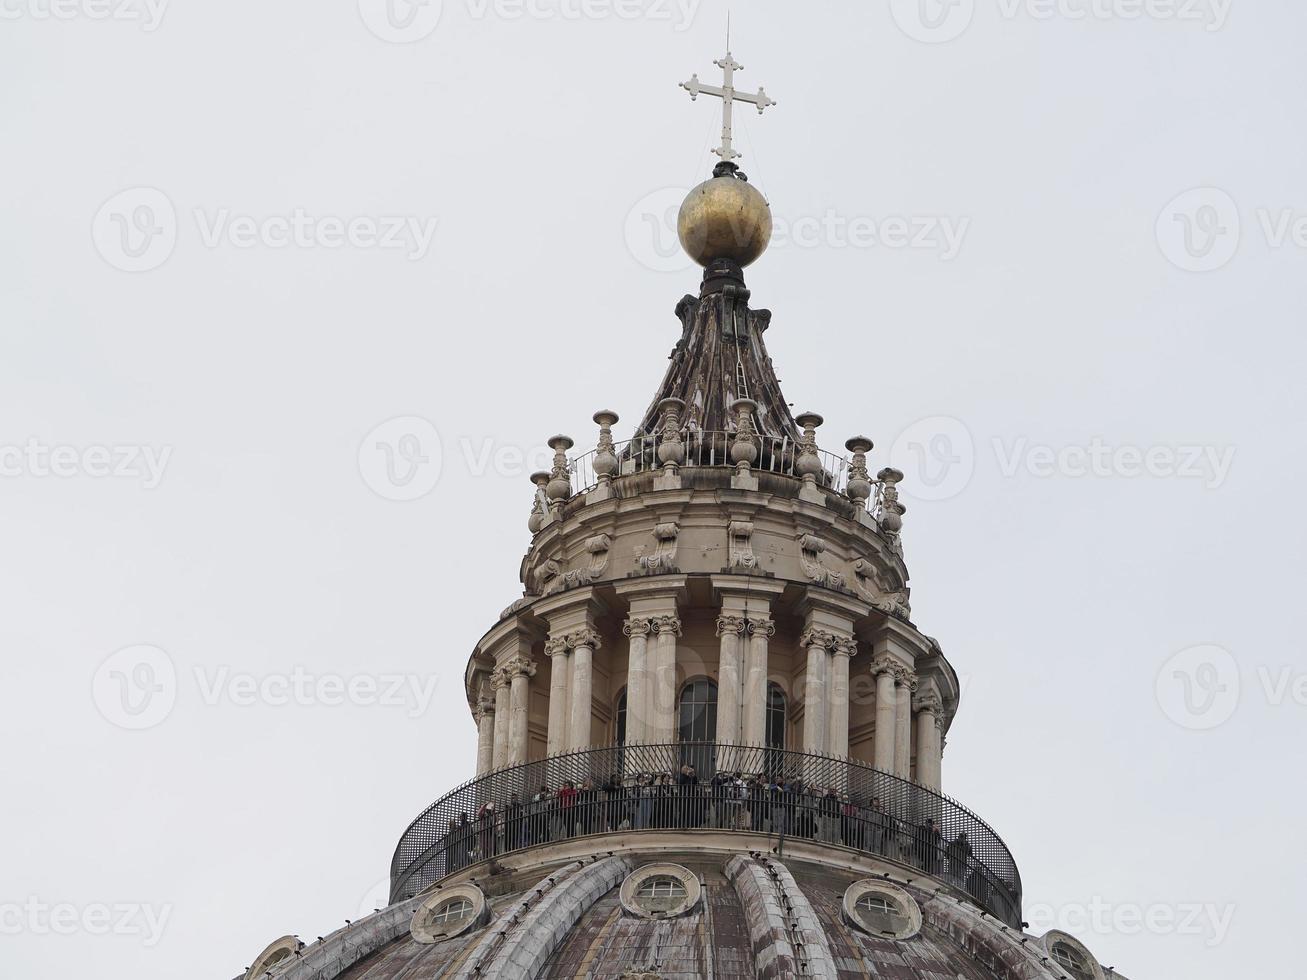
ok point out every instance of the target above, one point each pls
(721, 357)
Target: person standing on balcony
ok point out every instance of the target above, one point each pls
(565, 809)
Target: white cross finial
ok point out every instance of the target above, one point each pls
(729, 96)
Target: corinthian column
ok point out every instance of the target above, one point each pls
(519, 671)
(907, 683)
(637, 681)
(755, 682)
(929, 731)
(886, 710)
(817, 642)
(837, 743)
(500, 682)
(729, 684)
(583, 643)
(556, 649)
(485, 716)
(663, 702)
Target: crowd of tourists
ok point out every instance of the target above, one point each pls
(783, 807)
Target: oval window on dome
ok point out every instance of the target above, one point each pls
(881, 909)
(660, 891)
(1072, 956)
(446, 913)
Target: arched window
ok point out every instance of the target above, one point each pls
(776, 710)
(699, 711)
(699, 724)
(620, 724)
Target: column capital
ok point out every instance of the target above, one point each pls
(485, 708)
(556, 646)
(887, 665)
(583, 638)
(762, 627)
(519, 667)
(637, 626)
(731, 625)
(667, 625)
(818, 638)
(500, 680)
(928, 702)
(845, 646)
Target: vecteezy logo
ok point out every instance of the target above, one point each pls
(136, 688)
(933, 21)
(651, 231)
(401, 21)
(937, 457)
(1199, 231)
(136, 229)
(1199, 688)
(401, 459)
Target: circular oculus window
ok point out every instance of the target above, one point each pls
(881, 909)
(447, 913)
(660, 891)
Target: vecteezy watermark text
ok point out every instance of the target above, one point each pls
(940, 21)
(137, 688)
(1098, 917)
(37, 918)
(147, 13)
(136, 230)
(408, 21)
(35, 459)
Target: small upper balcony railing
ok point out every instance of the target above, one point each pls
(778, 455)
(688, 787)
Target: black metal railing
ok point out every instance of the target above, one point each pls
(707, 786)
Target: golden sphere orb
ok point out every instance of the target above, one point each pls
(725, 218)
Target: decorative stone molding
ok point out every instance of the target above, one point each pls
(869, 585)
(739, 543)
(599, 548)
(845, 646)
(273, 956)
(762, 627)
(485, 708)
(556, 646)
(540, 506)
(731, 625)
(638, 626)
(500, 680)
(663, 560)
(517, 606)
(812, 548)
(545, 575)
(426, 926)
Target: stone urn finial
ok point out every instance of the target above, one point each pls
(671, 447)
(859, 485)
(891, 510)
(809, 463)
(605, 461)
(744, 449)
(560, 480)
(540, 508)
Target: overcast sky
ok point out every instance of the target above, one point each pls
(1050, 257)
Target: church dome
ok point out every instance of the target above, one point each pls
(725, 218)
